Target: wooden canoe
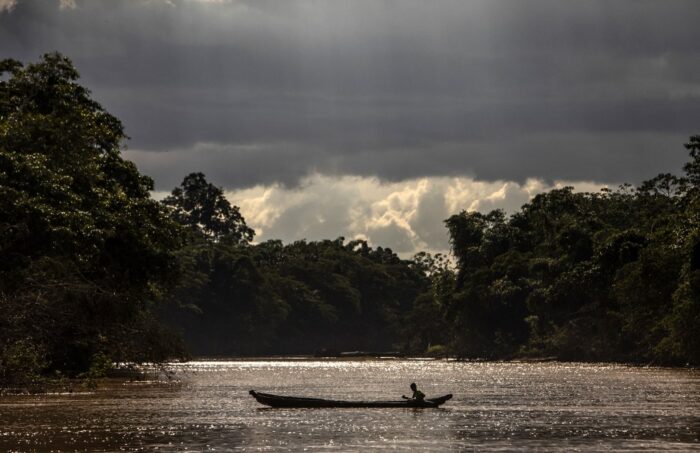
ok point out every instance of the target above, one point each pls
(293, 401)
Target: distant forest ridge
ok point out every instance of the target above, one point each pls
(93, 271)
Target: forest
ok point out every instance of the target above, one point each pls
(94, 271)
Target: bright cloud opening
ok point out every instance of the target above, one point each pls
(406, 216)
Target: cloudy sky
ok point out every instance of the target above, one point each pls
(378, 119)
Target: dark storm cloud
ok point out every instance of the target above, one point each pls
(261, 92)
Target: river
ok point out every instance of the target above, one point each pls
(497, 406)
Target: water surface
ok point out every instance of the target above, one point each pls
(497, 406)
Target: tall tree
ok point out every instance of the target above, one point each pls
(203, 207)
(84, 250)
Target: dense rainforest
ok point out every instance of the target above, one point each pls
(94, 271)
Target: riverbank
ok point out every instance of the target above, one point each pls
(68, 385)
(369, 357)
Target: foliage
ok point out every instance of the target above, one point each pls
(84, 250)
(203, 207)
(584, 276)
(297, 298)
(87, 258)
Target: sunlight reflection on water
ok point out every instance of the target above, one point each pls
(497, 406)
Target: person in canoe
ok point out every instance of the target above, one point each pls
(417, 394)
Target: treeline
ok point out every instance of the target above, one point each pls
(241, 299)
(612, 276)
(607, 276)
(94, 271)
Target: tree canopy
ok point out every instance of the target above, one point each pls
(586, 276)
(94, 271)
(84, 249)
(202, 207)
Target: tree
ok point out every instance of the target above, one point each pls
(203, 207)
(84, 251)
(692, 168)
(584, 276)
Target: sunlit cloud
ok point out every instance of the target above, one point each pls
(7, 5)
(467, 105)
(67, 4)
(406, 216)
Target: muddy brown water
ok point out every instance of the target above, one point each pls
(496, 407)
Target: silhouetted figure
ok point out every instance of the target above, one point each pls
(417, 394)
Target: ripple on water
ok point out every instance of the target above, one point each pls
(497, 406)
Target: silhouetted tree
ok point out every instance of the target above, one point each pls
(84, 250)
(203, 207)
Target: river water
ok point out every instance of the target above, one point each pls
(496, 407)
